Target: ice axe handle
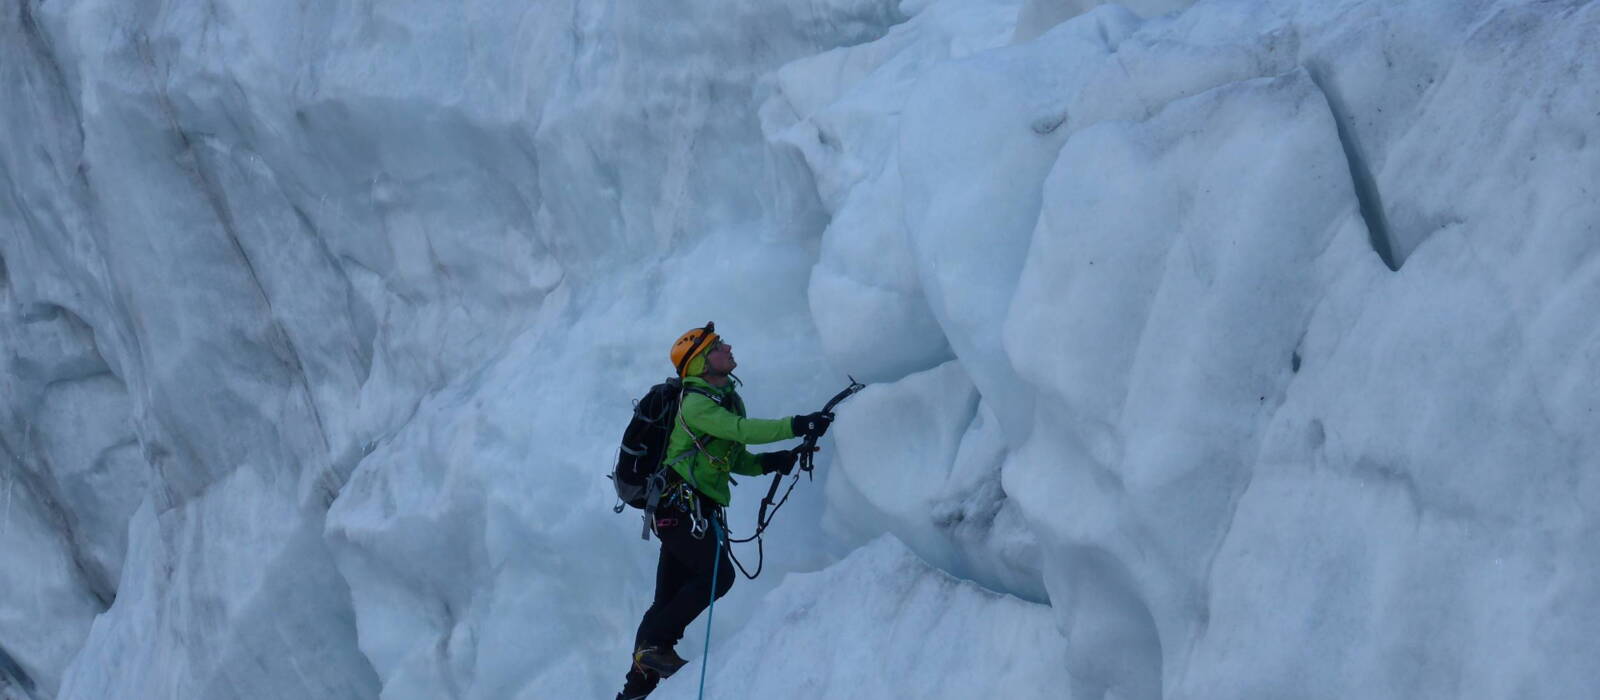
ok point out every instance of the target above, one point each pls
(849, 391)
(809, 446)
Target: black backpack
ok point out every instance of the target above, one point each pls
(641, 476)
(644, 443)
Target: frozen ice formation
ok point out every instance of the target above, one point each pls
(1218, 350)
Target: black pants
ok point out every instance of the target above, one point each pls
(683, 588)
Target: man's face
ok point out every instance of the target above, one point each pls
(719, 359)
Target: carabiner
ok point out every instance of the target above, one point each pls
(697, 522)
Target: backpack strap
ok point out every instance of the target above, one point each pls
(693, 438)
(697, 390)
(657, 483)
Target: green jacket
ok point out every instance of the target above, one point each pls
(723, 431)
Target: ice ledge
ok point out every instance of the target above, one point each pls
(812, 635)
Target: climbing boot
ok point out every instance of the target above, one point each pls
(660, 661)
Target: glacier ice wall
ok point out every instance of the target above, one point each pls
(1235, 350)
(242, 247)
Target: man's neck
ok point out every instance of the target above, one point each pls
(716, 380)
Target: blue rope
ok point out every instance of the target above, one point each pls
(712, 608)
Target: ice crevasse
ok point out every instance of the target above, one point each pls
(1216, 349)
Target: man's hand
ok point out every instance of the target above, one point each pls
(811, 425)
(781, 461)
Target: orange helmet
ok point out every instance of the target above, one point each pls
(691, 345)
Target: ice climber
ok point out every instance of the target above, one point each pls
(707, 443)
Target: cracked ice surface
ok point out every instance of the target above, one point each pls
(1242, 351)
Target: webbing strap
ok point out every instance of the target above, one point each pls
(652, 499)
(695, 438)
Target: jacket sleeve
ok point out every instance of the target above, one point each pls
(745, 463)
(705, 416)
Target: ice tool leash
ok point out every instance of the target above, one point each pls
(807, 448)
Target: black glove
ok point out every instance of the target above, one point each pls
(811, 425)
(781, 461)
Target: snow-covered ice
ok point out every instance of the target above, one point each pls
(906, 632)
(1225, 349)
